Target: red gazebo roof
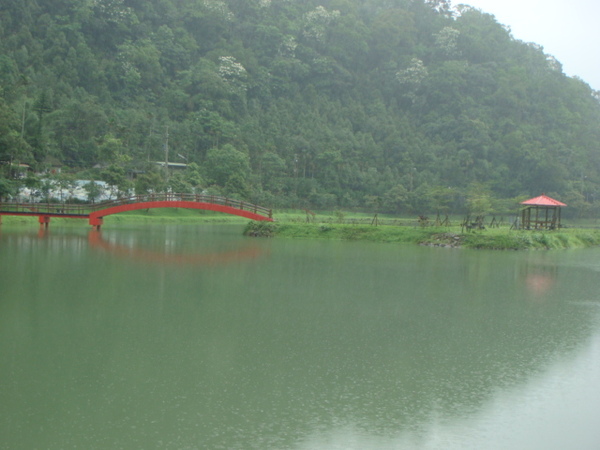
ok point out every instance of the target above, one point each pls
(542, 200)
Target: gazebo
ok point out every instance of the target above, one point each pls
(541, 213)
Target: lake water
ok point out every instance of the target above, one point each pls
(194, 337)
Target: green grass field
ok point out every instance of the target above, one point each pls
(436, 231)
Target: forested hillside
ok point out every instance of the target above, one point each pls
(409, 106)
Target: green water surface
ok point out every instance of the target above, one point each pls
(194, 337)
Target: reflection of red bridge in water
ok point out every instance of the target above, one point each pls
(95, 213)
(212, 258)
(247, 250)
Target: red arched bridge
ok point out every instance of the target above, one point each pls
(96, 212)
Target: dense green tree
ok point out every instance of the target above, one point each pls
(116, 177)
(7, 188)
(93, 190)
(395, 200)
(228, 167)
(272, 170)
(193, 176)
(12, 147)
(178, 184)
(150, 181)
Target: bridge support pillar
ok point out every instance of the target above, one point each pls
(96, 222)
(44, 221)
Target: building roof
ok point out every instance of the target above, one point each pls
(171, 164)
(542, 200)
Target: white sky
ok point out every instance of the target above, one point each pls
(569, 30)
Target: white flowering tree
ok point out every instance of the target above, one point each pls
(233, 73)
(554, 64)
(113, 10)
(447, 41)
(410, 79)
(288, 46)
(220, 8)
(317, 21)
(443, 7)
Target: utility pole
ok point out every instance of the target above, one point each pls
(167, 155)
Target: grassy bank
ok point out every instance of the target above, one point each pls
(496, 238)
(520, 240)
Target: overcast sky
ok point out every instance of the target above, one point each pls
(569, 30)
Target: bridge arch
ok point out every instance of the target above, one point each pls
(95, 217)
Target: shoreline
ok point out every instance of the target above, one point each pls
(407, 233)
(444, 237)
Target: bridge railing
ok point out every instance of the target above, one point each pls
(185, 197)
(87, 208)
(45, 208)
